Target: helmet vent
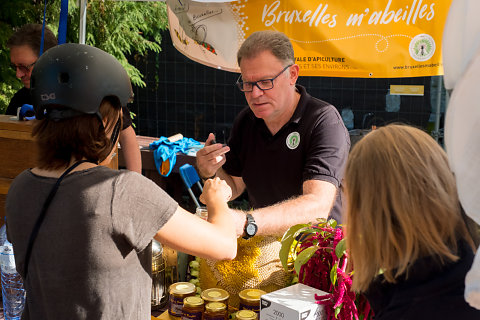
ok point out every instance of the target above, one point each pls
(63, 77)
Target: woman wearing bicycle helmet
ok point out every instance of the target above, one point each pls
(79, 239)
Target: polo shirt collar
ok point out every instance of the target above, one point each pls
(297, 115)
(304, 97)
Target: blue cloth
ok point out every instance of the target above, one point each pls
(26, 112)
(164, 150)
(62, 24)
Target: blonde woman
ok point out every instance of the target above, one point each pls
(409, 243)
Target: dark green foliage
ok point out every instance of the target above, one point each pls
(122, 28)
(13, 13)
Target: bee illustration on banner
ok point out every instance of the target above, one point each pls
(184, 40)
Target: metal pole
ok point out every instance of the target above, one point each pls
(83, 21)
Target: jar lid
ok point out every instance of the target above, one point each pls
(215, 306)
(252, 295)
(182, 288)
(246, 315)
(193, 301)
(215, 294)
(157, 248)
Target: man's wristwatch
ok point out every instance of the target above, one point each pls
(251, 227)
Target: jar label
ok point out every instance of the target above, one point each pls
(187, 315)
(176, 306)
(209, 317)
(250, 307)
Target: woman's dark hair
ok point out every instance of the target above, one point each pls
(78, 137)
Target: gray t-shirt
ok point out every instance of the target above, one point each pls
(87, 261)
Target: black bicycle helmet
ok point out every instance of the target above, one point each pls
(77, 76)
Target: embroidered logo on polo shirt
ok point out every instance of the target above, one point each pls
(293, 140)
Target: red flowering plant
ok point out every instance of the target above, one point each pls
(316, 254)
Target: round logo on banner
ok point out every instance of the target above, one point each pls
(293, 140)
(422, 47)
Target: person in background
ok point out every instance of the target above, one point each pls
(407, 237)
(24, 47)
(287, 149)
(86, 258)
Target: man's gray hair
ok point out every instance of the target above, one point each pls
(275, 42)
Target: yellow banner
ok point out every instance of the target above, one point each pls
(338, 38)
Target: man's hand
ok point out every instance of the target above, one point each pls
(211, 157)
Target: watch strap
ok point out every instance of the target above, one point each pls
(250, 221)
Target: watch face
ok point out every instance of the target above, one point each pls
(251, 229)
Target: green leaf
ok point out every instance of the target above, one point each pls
(332, 223)
(337, 310)
(303, 257)
(306, 231)
(287, 242)
(341, 248)
(288, 235)
(333, 274)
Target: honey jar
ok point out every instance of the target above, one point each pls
(215, 295)
(246, 315)
(179, 291)
(215, 311)
(250, 299)
(193, 308)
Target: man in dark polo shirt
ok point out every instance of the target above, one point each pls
(24, 47)
(288, 150)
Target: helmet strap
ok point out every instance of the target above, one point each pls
(59, 114)
(113, 137)
(115, 133)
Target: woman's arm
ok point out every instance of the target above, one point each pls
(215, 238)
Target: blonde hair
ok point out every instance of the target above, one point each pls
(402, 204)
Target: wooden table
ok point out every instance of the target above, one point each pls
(164, 316)
(17, 153)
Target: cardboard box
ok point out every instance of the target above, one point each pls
(296, 302)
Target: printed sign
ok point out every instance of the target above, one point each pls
(364, 39)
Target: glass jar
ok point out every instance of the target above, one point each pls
(193, 308)
(250, 299)
(215, 295)
(215, 311)
(159, 287)
(179, 291)
(202, 212)
(246, 315)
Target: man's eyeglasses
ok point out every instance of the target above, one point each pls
(23, 69)
(265, 84)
